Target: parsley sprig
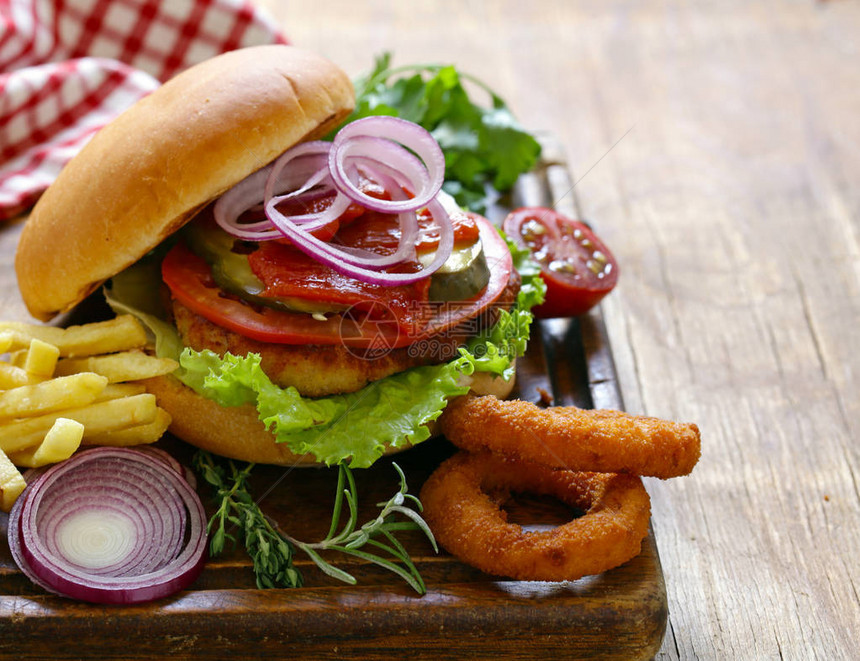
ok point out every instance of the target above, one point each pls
(272, 550)
(485, 147)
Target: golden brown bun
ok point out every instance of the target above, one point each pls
(145, 174)
(237, 433)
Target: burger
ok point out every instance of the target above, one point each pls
(322, 306)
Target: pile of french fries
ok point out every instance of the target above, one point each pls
(61, 388)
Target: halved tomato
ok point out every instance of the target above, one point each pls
(578, 268)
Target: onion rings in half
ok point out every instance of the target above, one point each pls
(469, 524)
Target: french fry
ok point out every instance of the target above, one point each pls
(64, 387)
(12, 376)
(11, 483)
(119, 334)
(60, 443)
(138, 435)
(18, 357)
(53, 395)
(41, 358)
(7, 339)
(96, 418)
(117, 367)
(117, 390)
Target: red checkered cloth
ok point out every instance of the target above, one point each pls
(67, 67)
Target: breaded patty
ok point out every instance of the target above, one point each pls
(314, 370)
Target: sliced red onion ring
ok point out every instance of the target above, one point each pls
(377, 147)
(308, 168)
(356, 257)
(316, 153)
(384, 139)
(110, 525)
(407, 223)
(401, 165)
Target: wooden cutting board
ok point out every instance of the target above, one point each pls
(620, 614)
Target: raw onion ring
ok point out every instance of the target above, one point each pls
(309, 161)
(398, 154)
(110, 525)
(470, 525)
(381, 141)
(335, 257)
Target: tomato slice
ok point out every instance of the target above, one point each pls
(190, 281)
(578, 268)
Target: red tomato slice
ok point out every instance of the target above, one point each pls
(578, 268)
(190, 281)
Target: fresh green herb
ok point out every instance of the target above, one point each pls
(237, 510)
(351, 540)
(485, 148)
(272, 550)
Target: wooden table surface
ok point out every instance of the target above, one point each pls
(716, 146)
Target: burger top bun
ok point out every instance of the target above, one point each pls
(146, 173)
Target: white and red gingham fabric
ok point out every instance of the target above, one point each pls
(67, 67)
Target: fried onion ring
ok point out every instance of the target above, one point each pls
(469, 524)
(571, 438)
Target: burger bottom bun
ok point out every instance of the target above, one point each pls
(237, 433)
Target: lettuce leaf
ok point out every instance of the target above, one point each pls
(494, 350)
(135, 291)
(354, 427)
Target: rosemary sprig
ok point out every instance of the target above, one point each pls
(272, 550)
(350, 539)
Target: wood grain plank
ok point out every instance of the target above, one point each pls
(723, 228)
(732, 205)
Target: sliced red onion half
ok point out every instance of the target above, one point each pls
(395, 153)
(111, 526)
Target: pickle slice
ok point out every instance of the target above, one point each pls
(463, 275)
(232, 272)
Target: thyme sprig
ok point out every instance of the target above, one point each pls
(272, 550)
(271, 553)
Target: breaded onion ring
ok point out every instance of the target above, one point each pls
(470, 525)
(572, 438)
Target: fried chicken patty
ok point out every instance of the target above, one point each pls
(314, 370)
